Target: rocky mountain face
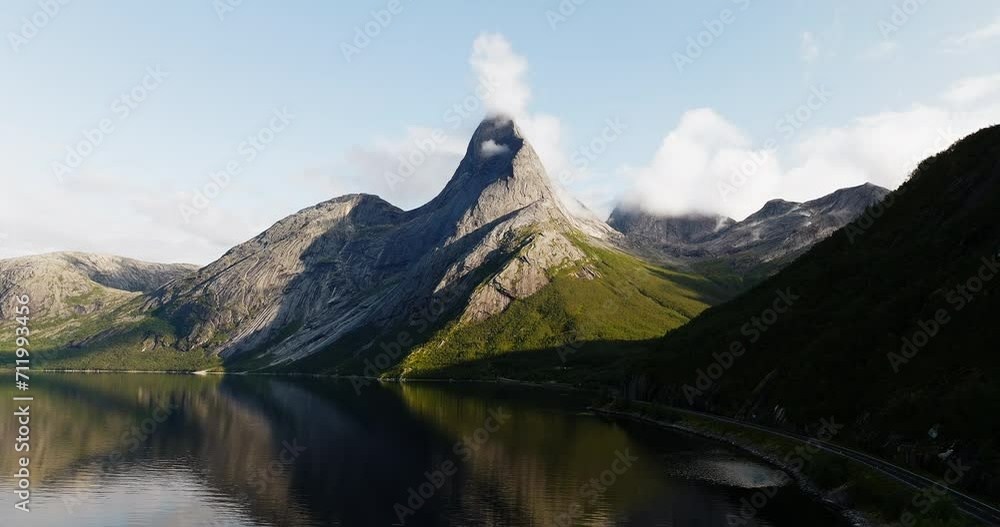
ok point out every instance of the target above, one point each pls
(326, 275)
(779, 231)
(66, 284)
(679, 235)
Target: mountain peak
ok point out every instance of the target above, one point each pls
(850, 201)
(671, 229)
(499, 123)
(773, 208)
(495, 135)
(501, 173)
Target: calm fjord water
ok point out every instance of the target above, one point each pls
(171, 450)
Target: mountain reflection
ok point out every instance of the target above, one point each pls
(112, 450)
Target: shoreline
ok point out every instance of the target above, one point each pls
(853, 517)
(202, 373)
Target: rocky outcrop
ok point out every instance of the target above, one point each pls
(67, 284)
(684, 233)
(780, 230)
(524, 275)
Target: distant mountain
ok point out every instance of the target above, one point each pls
(888, 326)
(67, 284)
(495, 263)
(673, 235)
(776, 234)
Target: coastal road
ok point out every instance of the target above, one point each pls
(975, 508)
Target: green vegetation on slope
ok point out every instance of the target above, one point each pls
(113, 339)
(734, 277)
(571, 329)
(864, 293)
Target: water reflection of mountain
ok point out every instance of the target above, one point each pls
(534, 466)
(216, 456)
(229, 433)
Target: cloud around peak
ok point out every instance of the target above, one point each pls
(493, 59)
(490, 148)
(707, 164)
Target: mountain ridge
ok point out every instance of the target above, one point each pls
(759, 244)
(65, 283)
(326, 274)
(507, 266)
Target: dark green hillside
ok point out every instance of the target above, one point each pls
(864, 293)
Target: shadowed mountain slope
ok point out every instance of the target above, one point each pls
(891, 328)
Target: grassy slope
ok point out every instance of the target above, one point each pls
(120, 348)
(828, 355)
(590, 322)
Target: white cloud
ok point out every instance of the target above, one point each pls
(493, 58)
(406, 172)
(809, 47)
(967, 91)
(705, 150)
(975, 38)
(490, 148)
(118, 215)
(680, 179)
(383, 168)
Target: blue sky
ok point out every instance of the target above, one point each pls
(892, 100)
